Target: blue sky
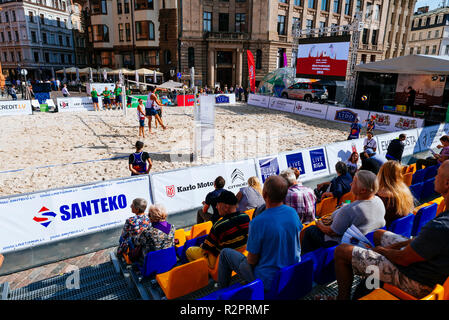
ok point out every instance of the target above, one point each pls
(433, 4)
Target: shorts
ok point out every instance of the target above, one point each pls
(129, 100)
(142, 123)
(388, 272)
(95, 99)
(150, 112)
(106, 101)
(118, 99)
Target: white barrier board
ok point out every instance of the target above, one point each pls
(341, 151)
(313, 110)
(280, 104)
(15, 107)
(345, 115)
(77, 104)
(411, 143)
(429, 137)
(43, 217)
(186, 189)
(394, 122)
(259, 100)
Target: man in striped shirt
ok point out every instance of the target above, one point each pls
(299, 197)
(230, 231)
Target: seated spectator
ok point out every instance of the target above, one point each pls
(366, 213)
(352, 163)
(229, 232)
(159, 235)
(436, 158)
(396, 148)
(370, 142)
(337, 186)
(394, 193)
(371, 161)
(133, 225)
(299, 197)
(273, 240)
(250, 197)
(413, 265)
(2, 258)
(203, 215)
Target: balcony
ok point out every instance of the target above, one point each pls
(234, 36)
(371, 47)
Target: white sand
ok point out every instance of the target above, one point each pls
(59, 139)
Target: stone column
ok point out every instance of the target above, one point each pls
(239, 66)
(211, 73)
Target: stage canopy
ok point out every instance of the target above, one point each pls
(411, 64)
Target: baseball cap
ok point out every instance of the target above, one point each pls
(369, 151)
(227, 197)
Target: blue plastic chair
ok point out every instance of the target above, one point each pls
(159, 261)
(403, 226)
(431, 172)
(323, 264)
(428, 190)
(292, 282)
(251, 291)
(423, 216)
(416, 190)
(181, 251)
(370, 235)
(418, 176)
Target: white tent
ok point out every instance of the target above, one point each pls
(144, 71)
(411, 64)
(171, 85)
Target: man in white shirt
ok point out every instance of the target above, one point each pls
(369, 142)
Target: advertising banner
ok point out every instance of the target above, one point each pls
(341, 151)
(33, 219)
(429, 89)
(251, 70)
(267, 166)
(322, 59)
(429, 137)
(345, 115)
(394, 122)
(411, 143)
(186, 189)
(285, 105)
(318, 162)
(77, 104)
(259, 100)
(313, 110)
(225, 98)
(187, 100)
(100, 87)
(15, 107)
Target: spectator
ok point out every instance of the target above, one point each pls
(394, 193)
(437, 158)
(241, 93)
(64, 91)
(396, 148)
(250, 197)
(366, 213)
(413, 265)
(356, 127)
(211, 200)
(1, 260)
(411, 95)
(352, 163)
(134, 225)
(273, 240)
(369, 142)
(13, 93)
(138, 161)
(371, 161)
(159, 235)
(230, 232)
(299, 197)
(337, 186)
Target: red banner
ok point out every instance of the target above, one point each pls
(185, 100)
(251, 71)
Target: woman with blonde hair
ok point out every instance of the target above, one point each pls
(250, 197)
(159, 235)
(395, 194)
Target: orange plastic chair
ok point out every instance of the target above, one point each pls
(199, 230)
(180, 235)
(214, 272)
(389, 292)
(408, 177)
(301, 234)
(411, 168)
(326, 206)
(441, 204)
(250, 212)
(184, 279)
(404, 169)
(347, 196)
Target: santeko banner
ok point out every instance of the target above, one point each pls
(15, 107)
(76, 104)
(29, 220)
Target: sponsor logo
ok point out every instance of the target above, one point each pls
(383, 120)
(237, 174)
(20, 106)
(170, 190)
(404, 123)
(345, 115)
(268, 167)
(295, 161)
(222, 99)
(298, 107)
(317, 159)
(63, 105)
(45, 217)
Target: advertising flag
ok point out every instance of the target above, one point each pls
(251, 71)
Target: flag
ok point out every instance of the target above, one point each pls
(285, 60)
(251, 71)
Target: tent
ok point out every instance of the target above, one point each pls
(171, 85)
(411, 64)
(275, 81)
(144, 71)
(124, 71)
(68, 70)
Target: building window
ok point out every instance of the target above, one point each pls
(9, 36)
(427, 50)
(258, 59)
(44, 37)
(99, 7)
(374, 37)
(223, 22)
(36, 56)
(6, 16)
(295, 23)
(377, 12)
(2, 36)
(150, 57)
(167, 57)
(446, 52)
(19, 56)
(311, 4)
(67, 41)
(369, 8)
(418, 51)
(60, 40)
(126, 6)
(58, 22)
(363, 60)
(297, 3)
(119, 7)
(429, 35)
(12, 56)
(411, 50)
(13, 16)
(144, 5)
(191, 57)
(309, 24)
(120, 32)
(347, 7)
(144, 30)
(283, 1)
(281, 25)
(280, 57)
(324, 4)
(358, 5)
(47, 57)
(106, 58)
(17, 35)
(365, 36)
(31, 16)
(128, 31)
(337, 6)
(437, 33)
(101, 33)
(207, 21)
(434, 49)
(42, 19)
(240, 22)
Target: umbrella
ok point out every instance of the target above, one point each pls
(171, 85)
(122, 71)
(154, 76)
(77, 75)
(105, 75)
(137, 78)
(53, 73)
(65, 76)
(147, 71)
(120, 77)
(91, 78)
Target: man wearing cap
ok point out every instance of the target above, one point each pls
(371, 124)
(231, 231)
(371, 161)
(356, 127)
